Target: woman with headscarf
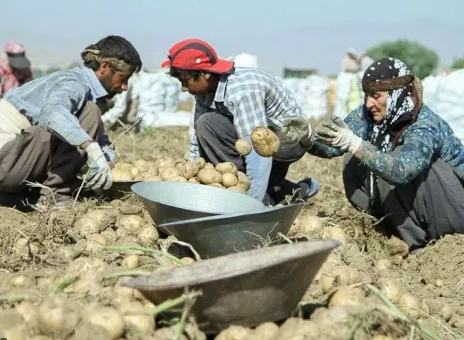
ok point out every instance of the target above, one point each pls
(403, 161)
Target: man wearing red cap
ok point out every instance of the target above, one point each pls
(15, 68)
(230, 103)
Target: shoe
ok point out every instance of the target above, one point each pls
(309, 187)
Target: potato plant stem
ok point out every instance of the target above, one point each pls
(125, 273)
(171, 303)
(11, 299)
(146, 250)
(398, 313)
(66, 283)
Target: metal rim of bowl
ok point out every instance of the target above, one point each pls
(225, 272)
(191, 184)
(226, 216)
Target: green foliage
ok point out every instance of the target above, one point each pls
(420, 59)
(458, 63)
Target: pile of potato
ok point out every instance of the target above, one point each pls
(223, 175)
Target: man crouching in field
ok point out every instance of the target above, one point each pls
(230, 103)
(51, 127)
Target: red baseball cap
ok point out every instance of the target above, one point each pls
(196, 54)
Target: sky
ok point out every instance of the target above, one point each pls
(289, 33)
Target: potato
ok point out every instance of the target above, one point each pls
(142, 165)
(409, 304)
(235, 333)
(124, 166)
(209, 176)
(110, 235)
(95, 243)
(27, 311)
(229, 180)
(187, 260)
(243, 147)
(243, 180)
(310, 224)
(217, 185)
(18, 281)
(334, 233)
(57, 317)
(177, 179)
(93, 222)
(148, 235)
(110, 319)
(83, 265)
(169, 173)
(265, 142)
(226, 168)
(193, 180)
(439, 283)
(383, 265)
(397, 260)
(208, 166)
(21, 247)
(397, 247)
(338, 276)
(347, 296)
(135, 172)
(130, 262)
(440, 308)
(200, 162)
(237, 188)
(190, 170)
(119, 174)
(140, 324)
(267, 330)
(392, 290)
(153, 179)
(132, 223)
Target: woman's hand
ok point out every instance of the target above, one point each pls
(338, 135)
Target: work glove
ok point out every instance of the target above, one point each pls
(99, 175)
(296, 130)
(337, 134)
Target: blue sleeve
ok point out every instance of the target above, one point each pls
(258, 170)
(414, 157)
(58, 114)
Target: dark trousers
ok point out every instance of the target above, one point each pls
(38, 156)
(217, 136)
(430, 206)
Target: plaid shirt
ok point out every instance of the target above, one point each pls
(252, 98)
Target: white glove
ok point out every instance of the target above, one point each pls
(99, 175)
(296, 130)
(338, 135)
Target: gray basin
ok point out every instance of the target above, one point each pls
(244, 288)
(226, 234)
(175, 201)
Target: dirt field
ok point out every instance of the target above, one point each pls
(58, 282)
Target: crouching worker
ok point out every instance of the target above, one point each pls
(51, 127)
(403, 161)
(230, 103)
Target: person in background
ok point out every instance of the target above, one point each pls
(15, 68)
(51, 127)
(402, 161)
(230, 102)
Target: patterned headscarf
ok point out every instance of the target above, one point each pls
(90, 54)
(392, 75)
(404, 98)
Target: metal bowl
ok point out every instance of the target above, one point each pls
(244, 288)
(227, 234)
(175, 201)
